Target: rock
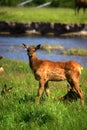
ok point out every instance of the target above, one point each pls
(43, 28)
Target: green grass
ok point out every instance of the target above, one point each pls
(73, 51)
(64, 15)
(18, 110)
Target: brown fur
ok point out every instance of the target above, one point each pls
(45, 70)
(80, 4)
(1, 69)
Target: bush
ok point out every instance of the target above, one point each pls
(10, 2)
(55, 3)
(62, 3)
(38, 2)
(68, 3)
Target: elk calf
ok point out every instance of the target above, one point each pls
(45, 70)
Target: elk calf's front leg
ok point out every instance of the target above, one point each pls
(40, 91)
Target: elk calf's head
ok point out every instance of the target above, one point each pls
(31, 50)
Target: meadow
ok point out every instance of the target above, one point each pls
(27, 14)
(19, 111)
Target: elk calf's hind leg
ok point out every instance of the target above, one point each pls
(76, 86)
(47, 89)
(79, 91)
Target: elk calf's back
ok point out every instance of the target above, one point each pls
(45, 70)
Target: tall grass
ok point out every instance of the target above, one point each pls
(63, 15)
(18, 110)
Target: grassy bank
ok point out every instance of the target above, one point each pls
(62, 50)
(64, 15)
(76, 52)
(18, 110)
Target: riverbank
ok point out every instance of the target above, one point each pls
(43, 28)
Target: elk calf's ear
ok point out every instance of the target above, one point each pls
(38, 46)
(24, 46)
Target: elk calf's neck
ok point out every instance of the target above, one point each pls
(45, 70)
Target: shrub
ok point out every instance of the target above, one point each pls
(55, 3)
(38, 2)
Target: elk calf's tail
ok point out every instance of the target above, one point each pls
(80, 68)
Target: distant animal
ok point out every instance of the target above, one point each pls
(5, 90)
(80, 4)
(46, 70)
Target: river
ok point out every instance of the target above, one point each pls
(10, 47)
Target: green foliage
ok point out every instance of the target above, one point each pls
(10, 2)
(38, 2)
(67, 3)
(55, 3)
(62, 3)
(18, 110)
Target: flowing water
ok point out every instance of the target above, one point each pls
(10, 47)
